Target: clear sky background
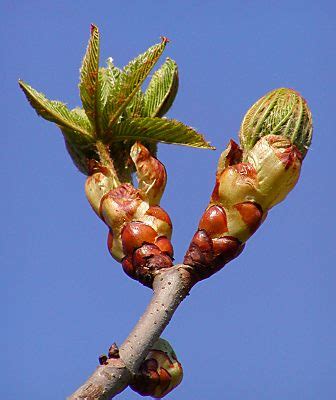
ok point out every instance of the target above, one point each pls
(264, 327)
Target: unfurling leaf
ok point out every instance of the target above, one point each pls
(128, 84)
(158, 130)
(58, 112)
(161, 90)
(88, 85)
(116, 113)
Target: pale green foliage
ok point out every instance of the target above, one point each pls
(88, 85)
(161, 90)
(136, 106)
(158, 130)
(116, 110)
(58, 112)
(129, 82)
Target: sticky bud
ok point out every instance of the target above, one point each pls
(160, 372)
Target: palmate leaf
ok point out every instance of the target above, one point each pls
(88, 85)
(158, 130)
(58, 112)
(128, 84)
(161, 90)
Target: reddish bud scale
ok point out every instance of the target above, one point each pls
(135, 234)
(159, 373)
(214, 221)
(128, 267)
(139, 229)
(208, 256)
(145, 261)
(146, 252)
(165, 246)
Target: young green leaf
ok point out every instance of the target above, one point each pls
(57, 112)
(129, 82)
(161, 90)
(107, 78)
(88, 85)
(113, 71)
(136, 107)
(158, 130)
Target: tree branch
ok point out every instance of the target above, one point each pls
(170, 287)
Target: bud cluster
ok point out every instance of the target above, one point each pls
(249, 182)
(139, 229)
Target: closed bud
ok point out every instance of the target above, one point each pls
(160, 372)
(280, 112)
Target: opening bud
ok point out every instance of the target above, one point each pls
(280, 112)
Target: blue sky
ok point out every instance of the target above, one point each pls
(264, 327)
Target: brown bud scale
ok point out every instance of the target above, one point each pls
(135, 234)
(164, 244)
(214, 221)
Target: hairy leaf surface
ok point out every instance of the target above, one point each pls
(58, 112)
(88, 85)
(158, 130)
(161, 90)
(129, 82)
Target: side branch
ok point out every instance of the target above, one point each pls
(170, 287)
